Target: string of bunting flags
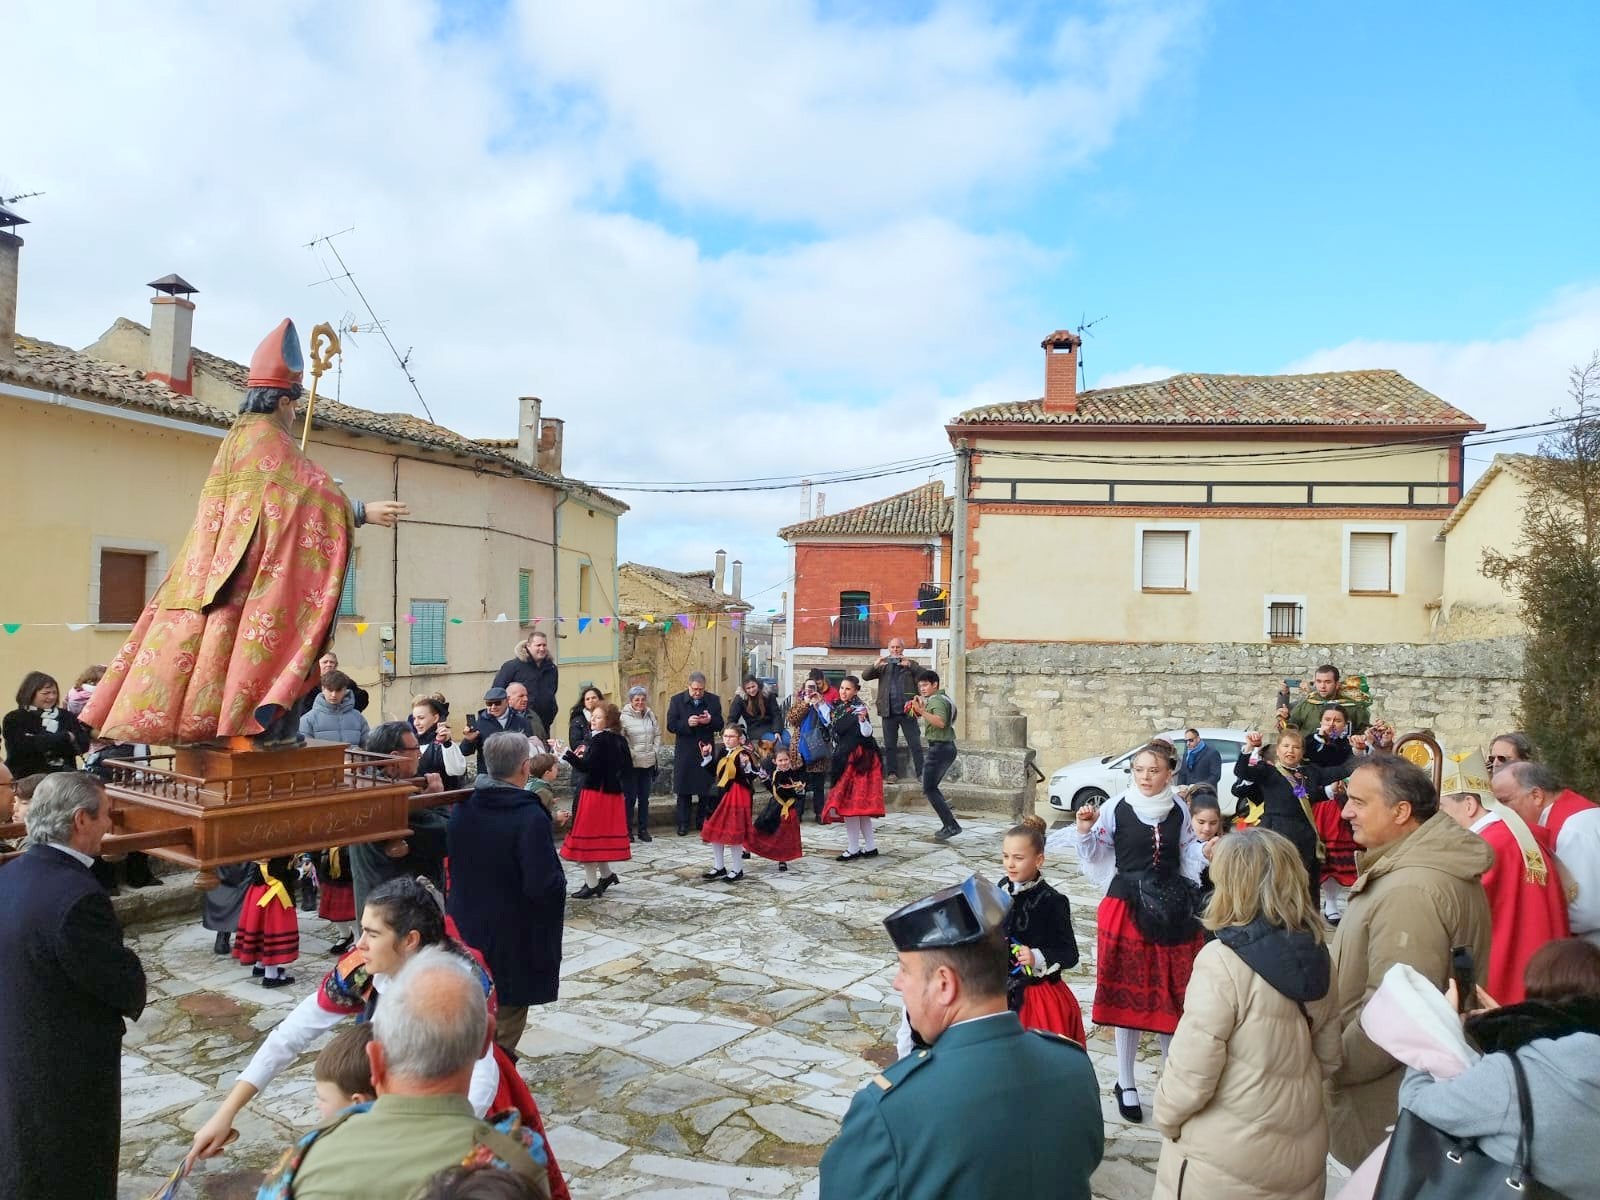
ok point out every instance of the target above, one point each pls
(688, 620)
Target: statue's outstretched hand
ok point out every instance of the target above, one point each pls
(386, 512)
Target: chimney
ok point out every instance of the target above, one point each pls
(822, 503)
(805, 499)
(528, 430)
(10, 248)
(722, 569)
(172, 334)
(1061, 371)
(551, 431)
(738, 579)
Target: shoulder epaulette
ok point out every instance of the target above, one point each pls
(1051, 1036)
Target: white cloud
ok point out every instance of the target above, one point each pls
(1138, 373)
(488, 180)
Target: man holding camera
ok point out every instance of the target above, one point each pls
(897, 688)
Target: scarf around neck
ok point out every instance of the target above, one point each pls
(1150, 809)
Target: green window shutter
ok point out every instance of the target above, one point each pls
(427, 633)
(525, 597)
(347, 597)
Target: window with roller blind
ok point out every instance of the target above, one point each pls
(1372, 566)
(1166, 560)
(123, 578)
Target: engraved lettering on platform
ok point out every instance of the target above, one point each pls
(299, 826)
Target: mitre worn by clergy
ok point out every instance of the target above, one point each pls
(229, 643)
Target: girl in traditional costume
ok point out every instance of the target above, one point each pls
(788, 786)
(728, 829)
(268, 937)
(1141, 848)
(1043, 944)
(599, 835)
(856, 796)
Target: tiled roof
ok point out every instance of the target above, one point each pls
(924, 510)
(1340, 398)
(1520, 465)
(59, 368)
(690, 588)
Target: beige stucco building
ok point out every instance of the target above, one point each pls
(1207, 508)
(689, 623)
(110, 445)
(1489, 517)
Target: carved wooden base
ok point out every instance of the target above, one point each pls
(221, 804)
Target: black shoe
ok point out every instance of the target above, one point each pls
(342, 948)
(946, 833)
(632, 837)
(848, 857)
(719, 873)
(258, 972)
(586, 893)
(733, 878)
(644, 836)
(873, 853)
(280, 981)
(683, 831)
(609, 881)
(223, 944)
(1130, 1112)
(783, 866)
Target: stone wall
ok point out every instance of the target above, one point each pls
(1083, 699)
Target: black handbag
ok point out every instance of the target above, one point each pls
(1425, 1163)
(770, 817)
(1164, 910)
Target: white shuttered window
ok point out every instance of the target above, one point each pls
(1371, 561)
(1164, 560)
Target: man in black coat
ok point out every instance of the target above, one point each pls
(533, 667)
(508, 893)
(496, 716)
(1201, 763)
(693, 716)
(66, 983)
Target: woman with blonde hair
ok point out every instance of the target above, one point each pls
(1240, 1104)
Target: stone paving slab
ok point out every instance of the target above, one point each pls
(707, 1041)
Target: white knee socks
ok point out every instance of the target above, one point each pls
(869, 840)
(272, 972)
(852, 836)
(737, 854)
(717, 860)
(591, 874)
(1127, 1052)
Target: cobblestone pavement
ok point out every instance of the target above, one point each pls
(707, 1040)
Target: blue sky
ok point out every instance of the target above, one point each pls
(779, 237)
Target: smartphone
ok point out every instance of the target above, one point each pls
(1463, 972)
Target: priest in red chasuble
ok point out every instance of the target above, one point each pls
(228, 646)
(1527, 897)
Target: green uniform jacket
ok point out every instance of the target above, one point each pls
(989, 1110)
(1306, 713)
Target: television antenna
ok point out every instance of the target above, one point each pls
(1084, 326)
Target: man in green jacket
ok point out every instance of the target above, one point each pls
(985, 1109)
(1305, 714)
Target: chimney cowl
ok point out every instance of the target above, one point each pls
(1061, 371)
(172, 334)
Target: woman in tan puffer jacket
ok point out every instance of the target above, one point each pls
(1239, 1105)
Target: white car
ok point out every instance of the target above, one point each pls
(1091, 780)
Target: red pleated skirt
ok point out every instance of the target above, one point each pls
(1337, 839)
(267, 935)
(599, 832)
(1138, 984)
(783, 843)
(1052, 1006)
(336, 900)
(859, 792)
(730, 824)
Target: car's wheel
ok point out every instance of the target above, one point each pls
(1088, 796)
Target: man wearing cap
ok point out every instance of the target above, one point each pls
(496, 716)
(1527, 902)
(229, 643)
(985, 1109)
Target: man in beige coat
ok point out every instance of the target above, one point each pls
(1419, 892)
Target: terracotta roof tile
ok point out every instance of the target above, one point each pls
(691, 588)
(59, 368)
(1331, 398)
(923, 510)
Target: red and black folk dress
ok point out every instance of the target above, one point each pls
(1041, 920)
(1287, 797)
(1139, 982)
(599, 830)
(336, 895)
(783, 844)
(736, 778)
(1338, 839)
(269, 930)
(857, 766)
